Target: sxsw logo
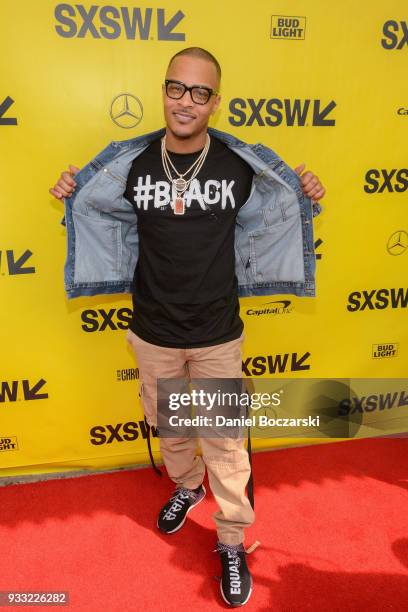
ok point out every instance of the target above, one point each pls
(374, 402)
(8, 444)
(272, 364)
(110, 22)
(274, 112)
(4, 106)
(15, 264)
(395, 35)
(288, 28)
(380, 351)
(100, 319)
(380, 180)
(317, 243)
(120, 432)
(30, 391)
(378, 299)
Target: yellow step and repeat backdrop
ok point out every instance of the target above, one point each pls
(320, 83)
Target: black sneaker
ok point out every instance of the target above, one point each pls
(236, 580)
(173, 514)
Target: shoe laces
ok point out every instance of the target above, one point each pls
(178, 499)
(182, 493)
(232, 550)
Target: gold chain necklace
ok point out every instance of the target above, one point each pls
(180, 184)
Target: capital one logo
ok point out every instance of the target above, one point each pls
(110, 22)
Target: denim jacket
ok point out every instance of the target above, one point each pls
(274, 246)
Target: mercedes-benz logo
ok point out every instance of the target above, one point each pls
(126, 110)
(397, 242)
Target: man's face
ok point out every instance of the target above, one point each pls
(184, 117)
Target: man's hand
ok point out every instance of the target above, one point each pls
(66, 184)
(311, 186)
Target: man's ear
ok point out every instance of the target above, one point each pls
(216, 104)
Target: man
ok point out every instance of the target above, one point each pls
(179, 194)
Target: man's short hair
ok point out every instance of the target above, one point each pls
(201, 53)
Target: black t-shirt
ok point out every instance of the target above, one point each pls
(184, 286)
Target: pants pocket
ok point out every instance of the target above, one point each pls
(149, 405)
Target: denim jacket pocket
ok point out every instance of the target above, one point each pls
(276, 252)
(106, 191)
(98, 249)
(273, 214)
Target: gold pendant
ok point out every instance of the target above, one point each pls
(179, 207)
(179, 184)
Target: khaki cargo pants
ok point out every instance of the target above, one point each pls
(226, 459)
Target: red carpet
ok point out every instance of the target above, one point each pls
(332, 521)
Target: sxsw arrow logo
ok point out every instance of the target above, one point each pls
(274, 112)
(4, 106)
(9, 391)
(110, 22)
(272, 364)
(165, 30)
(320, 115)
(317, 243)
(16, 266)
